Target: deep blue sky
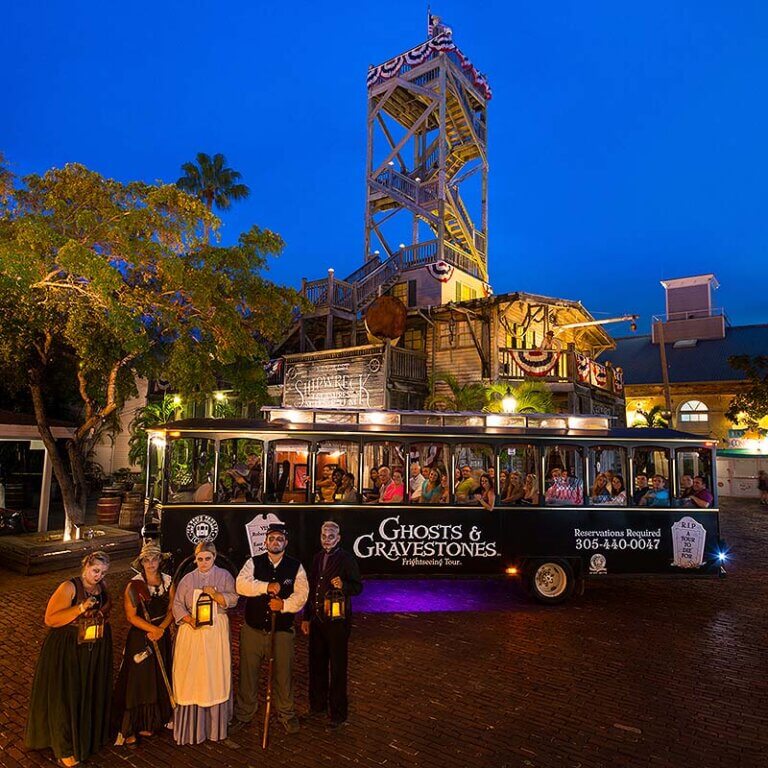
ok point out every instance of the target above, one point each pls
(628, 141)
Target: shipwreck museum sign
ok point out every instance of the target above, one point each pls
(352, 378)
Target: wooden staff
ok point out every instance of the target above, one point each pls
(160, 662)
(139, 594)
(270, 665)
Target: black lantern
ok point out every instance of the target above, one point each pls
(90, 627)
(204, 611)
(335, 604)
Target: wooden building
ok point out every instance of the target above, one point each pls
(682, 367)
(427, 118)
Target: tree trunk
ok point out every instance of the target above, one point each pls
(74, 509)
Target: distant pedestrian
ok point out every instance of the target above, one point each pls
(71, 693)
(762, 486)
(333, 571)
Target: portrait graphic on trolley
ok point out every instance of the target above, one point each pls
(421, 544)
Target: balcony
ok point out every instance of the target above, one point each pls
(559, 367)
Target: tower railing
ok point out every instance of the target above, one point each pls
(374, 277)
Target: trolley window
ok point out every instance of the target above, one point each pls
(428, 472)
(384, 472)
(155, 467)
(651, 470)
(606, 467)
(694, 477)
(241, 470)
(564, 473)
(472, 461)
(518, 463)
(190, 470)
(288, 471)
(336, 467)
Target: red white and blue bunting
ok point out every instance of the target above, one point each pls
(535, 362)
(582, 368)
(440, 44)
(598, 375)
(441, 271)
(618, 381)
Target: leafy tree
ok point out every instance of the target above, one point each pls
(458, 397)
(530, 397)
(750, 406)
(108, 281)
(651, 418)
(211, 181)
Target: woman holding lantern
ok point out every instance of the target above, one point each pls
(71, 692)
(202, 663)
(143, 702)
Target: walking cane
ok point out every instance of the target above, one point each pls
(268, 705)
(160, 661)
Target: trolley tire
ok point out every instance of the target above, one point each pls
(550, 582)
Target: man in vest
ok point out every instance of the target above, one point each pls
(271, 582)
(332, 569)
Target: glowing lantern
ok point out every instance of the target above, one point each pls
(335, 604)
(204, 611)
(90, 628)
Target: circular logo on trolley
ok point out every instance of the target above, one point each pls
(597, 564)
(202, 528)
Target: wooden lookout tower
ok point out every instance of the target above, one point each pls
(426, 141)
(426, 214)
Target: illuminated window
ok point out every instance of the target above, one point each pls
(694, 411)
(464, 292)
(400, 291)
(406, 292)
(414, 339)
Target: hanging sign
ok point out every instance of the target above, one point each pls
(353, 381)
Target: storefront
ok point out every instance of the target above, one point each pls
(26, 477)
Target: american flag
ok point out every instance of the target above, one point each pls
(435, 26)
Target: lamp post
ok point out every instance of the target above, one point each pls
(508, 402)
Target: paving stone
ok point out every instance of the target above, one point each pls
(638, 673)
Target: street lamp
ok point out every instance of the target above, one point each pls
(508, 402)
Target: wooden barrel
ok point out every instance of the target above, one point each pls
(132, 511)
(108, 510)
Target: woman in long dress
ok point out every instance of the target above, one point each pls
(202, 663)
(71, 692)
(141, 702)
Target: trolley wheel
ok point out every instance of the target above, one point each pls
(550, 581)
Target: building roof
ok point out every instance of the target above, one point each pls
(706, 360)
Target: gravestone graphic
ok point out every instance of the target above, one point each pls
(257, 531)
(688, 539)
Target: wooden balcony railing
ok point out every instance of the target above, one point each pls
(566, 366)
(407, 364)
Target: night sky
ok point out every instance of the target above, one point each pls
(628, 141)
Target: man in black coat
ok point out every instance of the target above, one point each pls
(274, 584)
(332, 569)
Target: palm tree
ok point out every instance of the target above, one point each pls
(530, 397)
(460, 397)
(652, 418)
(212, 182)
(150, 415)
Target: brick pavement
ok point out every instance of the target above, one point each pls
(637, 672)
